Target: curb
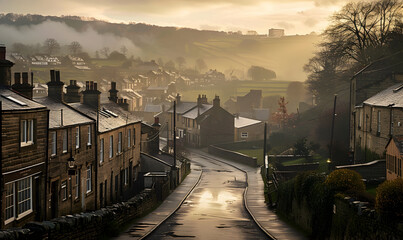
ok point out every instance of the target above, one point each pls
(174, 211)
(245, 197)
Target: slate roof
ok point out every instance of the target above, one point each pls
(111, 115)
(392, 95)
(399, 143)
(241, 122)
(152, 108)
(183, 107)
(15, 102)
(197, 111)
(71, 117)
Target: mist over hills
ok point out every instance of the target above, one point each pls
(220, 50)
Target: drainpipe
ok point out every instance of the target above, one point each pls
(96, 160)
(1, 162)
(46, 167)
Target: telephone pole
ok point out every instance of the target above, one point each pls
(331, 134)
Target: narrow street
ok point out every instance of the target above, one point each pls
(214, 209)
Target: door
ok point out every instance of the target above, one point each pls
(54, 199)
(101, 195)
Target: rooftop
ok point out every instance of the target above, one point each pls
(14, 101)
(241, 122)
(391, 97)
(70, 116)
(197, 111)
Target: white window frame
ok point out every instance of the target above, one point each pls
(9, 203)
(63, 190)
(65, 140)
(27, 202)
(77, 137)
(54, 144)
(27, 132)
(89, 142)
(101, 151)
(111, 146)
(89, 179)
(244, 134)
(126, 176)
(120, 142)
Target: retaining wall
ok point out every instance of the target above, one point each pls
(232, 156)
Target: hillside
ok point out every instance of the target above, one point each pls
(220, 50)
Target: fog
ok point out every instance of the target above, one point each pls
(90, 40)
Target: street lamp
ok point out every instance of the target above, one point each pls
(71, 166)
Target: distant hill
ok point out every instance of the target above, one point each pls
(228, 53)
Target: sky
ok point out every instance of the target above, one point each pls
(295, 16)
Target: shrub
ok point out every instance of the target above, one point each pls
(343, 180)
(389, 199)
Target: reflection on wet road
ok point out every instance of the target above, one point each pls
(214, 210)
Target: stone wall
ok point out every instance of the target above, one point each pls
(91, 225)
(375, 170)
(233, 156)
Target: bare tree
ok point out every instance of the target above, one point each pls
(124, 50)
(51, 46)
(105, 52)
(360, 29)
(75, 48)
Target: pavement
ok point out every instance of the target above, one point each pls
(145, 225)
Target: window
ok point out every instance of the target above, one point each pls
(77, 186)
(129, 137)
(379, 123)
(65, 140)
(24, 195)
(64, 190)
(244, 135)
(110, 146)
(77, 137)
(27, 132)
(120, 142)
(10, 202)
(126, 176)
(89, 136)
(54, 140)
(89, 182)
(101, 151)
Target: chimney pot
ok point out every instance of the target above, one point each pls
(32, 78)
(52, 75)
(25, 78)
(71, 82)
(2, 53)
(87, 85)
(57, 76)
(95, 86)
(17, 78)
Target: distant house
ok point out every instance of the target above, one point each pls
(276, 33)
(201, 124)
(394, 157)
(247, 129)
(369, 81)
(376, 120)
(251, 100)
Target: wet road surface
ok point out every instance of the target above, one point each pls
(214, 210)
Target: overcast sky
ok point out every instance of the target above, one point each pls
(295, 16)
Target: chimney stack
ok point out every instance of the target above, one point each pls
(178, 98)
(216, 101)
(113, 93)
(199, 101)
(72, 92)
(23, 88)
(17, 78)
(5, 68)
(123, 104)
(91, 95)
(55, 86)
